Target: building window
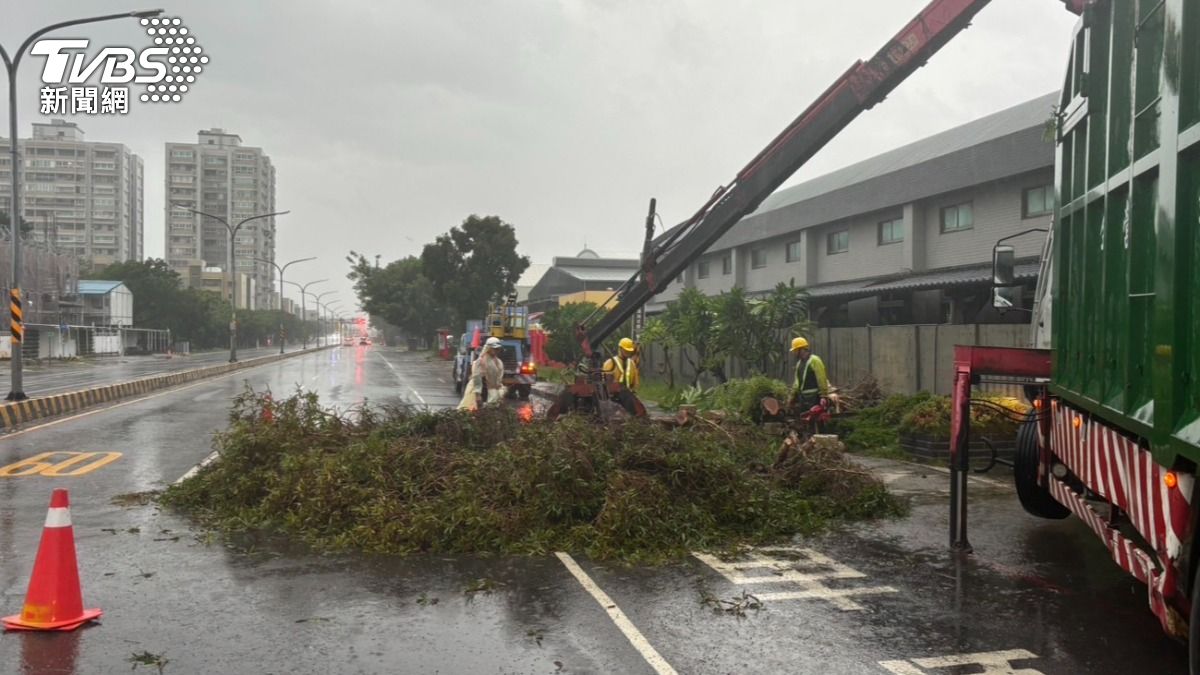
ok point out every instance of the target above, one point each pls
(727, 264)
(957, 217)
(794, 251)
(758, 258)
(891, 231)
(1037, 201)
(839, 242)
(702, 269)
(182, 154)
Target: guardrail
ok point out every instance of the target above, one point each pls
(20, 412)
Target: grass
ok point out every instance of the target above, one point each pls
(402, 482)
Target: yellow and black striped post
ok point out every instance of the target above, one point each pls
(17, 323)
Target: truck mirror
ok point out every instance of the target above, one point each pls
(1003, 265)
(1005, 297)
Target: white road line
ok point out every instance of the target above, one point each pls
(635, 637)
(397, 374)
(196, 469)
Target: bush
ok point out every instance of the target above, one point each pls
(875, 429)
(994, 418)
(744, 397)
(398, 481)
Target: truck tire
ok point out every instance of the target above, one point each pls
(458, 386)
(523, 392)
(1035, 499)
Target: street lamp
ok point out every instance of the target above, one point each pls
(317, 301)
(17, 391)
(303, 307)
(329, 316)
(281, 270)
(233, 230)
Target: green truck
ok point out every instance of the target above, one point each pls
(1115, 434)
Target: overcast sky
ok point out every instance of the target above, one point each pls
(390, 122)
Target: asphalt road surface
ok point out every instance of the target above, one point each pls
(887, 597)
(51, 377)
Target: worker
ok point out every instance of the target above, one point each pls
(624, 366)
(487, 377)
(812, 386)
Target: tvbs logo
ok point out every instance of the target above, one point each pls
(167, 69)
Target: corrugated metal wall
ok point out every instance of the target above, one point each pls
(904, 359)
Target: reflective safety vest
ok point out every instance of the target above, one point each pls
(810, 377)
(624, 370)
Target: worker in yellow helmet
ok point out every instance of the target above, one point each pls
(812, 385)
(624, 366)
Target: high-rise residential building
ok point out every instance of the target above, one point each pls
(219, 176)
(81, 198)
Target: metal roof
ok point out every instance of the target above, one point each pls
(1007, 143)
(98, 286)
(958, 276)
(618, 274)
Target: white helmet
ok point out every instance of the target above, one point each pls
(492, 343)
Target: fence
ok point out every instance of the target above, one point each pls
(904, 359)
(47, 341)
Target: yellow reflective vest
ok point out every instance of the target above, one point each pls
(624, 370)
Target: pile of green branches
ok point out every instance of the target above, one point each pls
(402, 481)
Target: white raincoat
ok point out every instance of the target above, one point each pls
(487, 368)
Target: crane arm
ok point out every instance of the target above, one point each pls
(858, 89)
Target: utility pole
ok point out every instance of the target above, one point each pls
(17, 327)
(233, 230)
(303, 307)
(281, 271)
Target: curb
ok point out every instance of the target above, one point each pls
(19, 412)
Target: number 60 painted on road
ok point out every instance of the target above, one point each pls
(76, 464)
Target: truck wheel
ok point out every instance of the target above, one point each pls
(523, 392)
(1035, 499)
(458, 386)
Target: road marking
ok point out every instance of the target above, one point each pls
(67, 468)
(212, 456)
(397, 374)
(993, 663)
(635, 637)
(819, 567)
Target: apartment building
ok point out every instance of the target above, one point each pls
(904, 237)
(79, 197)
(219, 176)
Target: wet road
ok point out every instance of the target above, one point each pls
(42, 379)
(888, 597)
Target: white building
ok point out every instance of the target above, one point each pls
(220, 176)
(80, 197)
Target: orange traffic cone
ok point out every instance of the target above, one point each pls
(54, 600)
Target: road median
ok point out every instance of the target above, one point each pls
(16, 413)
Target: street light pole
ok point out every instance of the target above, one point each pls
(303, 307)
(317, 301)
(17, 390)
(329, 317)
(281, 271)
(233, 230)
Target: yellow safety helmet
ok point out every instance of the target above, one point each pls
(799, 343)
(627, 344)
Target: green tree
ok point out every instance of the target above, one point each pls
(471, 264)
(656, 333)
(156, 291)
(398, 293)
(781, 315)
(690, 320)
(560, 323)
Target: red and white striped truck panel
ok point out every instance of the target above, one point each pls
(1125, 474)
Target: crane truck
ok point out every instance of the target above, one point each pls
(664, 258)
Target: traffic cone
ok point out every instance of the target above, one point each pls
(268, 412)
(54, 600)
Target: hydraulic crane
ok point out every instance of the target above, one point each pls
(862, 86)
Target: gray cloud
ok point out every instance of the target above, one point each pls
(390, 122)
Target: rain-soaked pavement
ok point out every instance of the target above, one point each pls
(54, 377)
(887, 597)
